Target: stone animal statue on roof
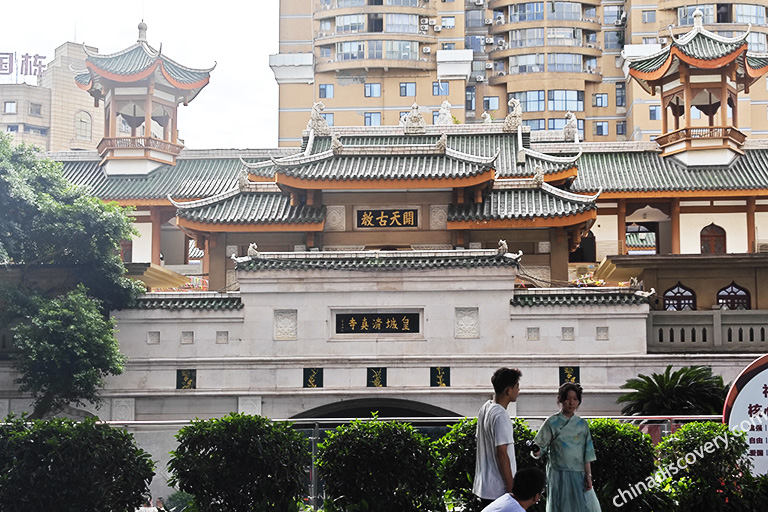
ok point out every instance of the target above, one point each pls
(515, 117)
(414, 121)
(571, 129)
(317, 122)
(444, 117)
(487, 119)
(502, 249)
(251, 254)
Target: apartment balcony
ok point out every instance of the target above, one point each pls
(691, 332)
(503, 26)
(323, 11)
(425, 62)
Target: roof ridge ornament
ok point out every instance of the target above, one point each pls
(515, 117)
(316, 120)
(336, 146)
(571, 129)
(444, 116)
(142, 32)
(442, 143)
(414, 123)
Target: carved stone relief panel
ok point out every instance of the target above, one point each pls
(123, 409)
(438, 216)
(467, 323)
(335, 218)
(286, 325)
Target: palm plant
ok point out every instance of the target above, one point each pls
(689, 390)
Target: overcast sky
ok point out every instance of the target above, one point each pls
(237, 109)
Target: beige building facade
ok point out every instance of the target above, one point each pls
(368, 61)
(53, 115)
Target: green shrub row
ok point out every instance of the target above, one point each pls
(249, 463)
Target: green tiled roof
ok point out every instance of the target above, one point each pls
(641, 240)
(702, 45)
(254, 208)
(481, 145)
(196, 302)
(757, 62)
(188, 179)
(577, 297)
(384, 168)
(519, 204)
(376, 262)
(647, 171)
(140, 57)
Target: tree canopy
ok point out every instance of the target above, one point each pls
(62, 275)
(59, 465)
(688, 390)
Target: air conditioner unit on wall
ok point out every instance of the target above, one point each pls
(433, 22)
(489, 65)
(424, 27)
(488, 40)
(424, 21)
(426, 49)
(479, 2)
(479, 78)
(438, 28)
(488, 21)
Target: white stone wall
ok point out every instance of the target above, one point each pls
(734, 224)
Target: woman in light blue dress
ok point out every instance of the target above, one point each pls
(566, 439)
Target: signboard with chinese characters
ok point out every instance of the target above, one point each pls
(387, 218)
(377, 323)
(746, 409)
(28, 65)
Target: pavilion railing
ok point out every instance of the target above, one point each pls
(702, 132)
(164, 146)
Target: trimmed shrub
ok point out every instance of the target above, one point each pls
(59, 464)
(240, 462)
(624, 458)
(378, 466)
(457, 451)
(713, 474)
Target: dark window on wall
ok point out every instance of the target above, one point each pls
(470, 98)
(712, 240)
(372, 90)
(373, 119)
(490, 103)
(326, 90)
(407, 88)
(621, 127)
(565, 100)
(654, 112)
(734, 296)
(36, 109)
(679, 298)
(328, 118)
(621, 95)
(439, 88)
(600, 100)
(600, 128)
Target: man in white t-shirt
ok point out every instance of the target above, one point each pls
(526, 490)
(495, 463)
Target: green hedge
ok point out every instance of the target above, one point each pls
(60, 465)
(240, 462)
(378, 466)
